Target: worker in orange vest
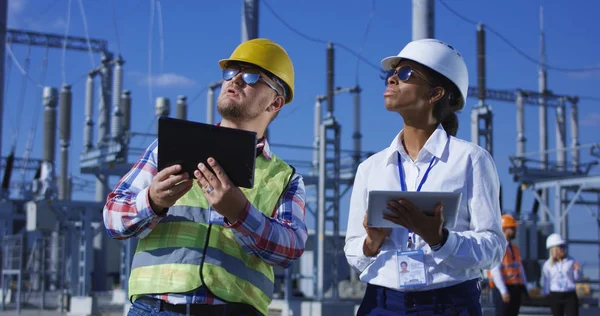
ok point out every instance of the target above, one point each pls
(508, 280)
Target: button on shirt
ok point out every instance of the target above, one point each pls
(559, 276)
(475, 243)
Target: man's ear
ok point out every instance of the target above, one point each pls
(436, 94)
(276, 105)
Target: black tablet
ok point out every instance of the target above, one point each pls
(188, 143)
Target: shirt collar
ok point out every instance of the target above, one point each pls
(266, 149)
(435, 145)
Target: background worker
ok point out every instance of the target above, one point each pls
(205, 246)
(426, 84)
(559, 274)
(508, 281)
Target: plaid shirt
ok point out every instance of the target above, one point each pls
(278, 240)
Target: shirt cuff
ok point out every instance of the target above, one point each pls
(241, 219)
(142, 203)
(447, 249)
(361, 261)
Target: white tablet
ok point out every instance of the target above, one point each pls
(425, 201)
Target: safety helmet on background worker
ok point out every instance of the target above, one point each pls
(554, 240)
(509, 222)
(439, 57)
(269, 56)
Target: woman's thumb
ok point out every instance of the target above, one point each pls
(439, 211)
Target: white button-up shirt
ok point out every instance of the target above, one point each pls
(475, 243)
(559, 276)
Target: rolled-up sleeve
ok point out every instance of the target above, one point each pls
(483, 246)
(355, 232)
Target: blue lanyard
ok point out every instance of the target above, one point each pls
(402, 178)
(403, 184)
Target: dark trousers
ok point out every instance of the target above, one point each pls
(561, 302)
(512, 307)
(458, 300)
(152, 307)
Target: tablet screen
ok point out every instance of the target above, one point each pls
(425, 201)
(189, 143)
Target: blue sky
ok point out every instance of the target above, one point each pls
(196, 34)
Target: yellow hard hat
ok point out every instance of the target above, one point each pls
(268, 55)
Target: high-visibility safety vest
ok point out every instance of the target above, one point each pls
(510, 268)
(184, 251)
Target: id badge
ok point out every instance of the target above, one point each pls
(215, 217)
(411, 268)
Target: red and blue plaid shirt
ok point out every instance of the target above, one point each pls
(277, 240)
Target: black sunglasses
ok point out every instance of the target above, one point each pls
(403, 73)
(249, 75)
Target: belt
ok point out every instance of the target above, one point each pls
(200, 309)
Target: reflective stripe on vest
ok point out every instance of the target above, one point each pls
(510, 268)
(168, 260)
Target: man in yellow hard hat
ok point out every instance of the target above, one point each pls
(508, 280)
(205, 246)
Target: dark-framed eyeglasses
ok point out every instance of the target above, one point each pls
(403, 73)
(249, 75)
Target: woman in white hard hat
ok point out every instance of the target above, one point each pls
(559, 274)
(427, 83)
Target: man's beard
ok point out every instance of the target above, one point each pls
(234, 111)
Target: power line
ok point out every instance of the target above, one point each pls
(18, 65)
(515, 47)
(87, 34)
(589, 98)
(161, 37)
(150, 27)
(367, 29)
(316, 40)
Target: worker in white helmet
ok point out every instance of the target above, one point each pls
(426, 85)
(559, 274)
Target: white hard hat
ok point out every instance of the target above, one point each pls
(438, 56)
(554, 240)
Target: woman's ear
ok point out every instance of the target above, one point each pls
(436, 94)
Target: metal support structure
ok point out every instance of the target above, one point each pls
(88, 129)
(117, 113)
(3, 39)
(181, 108)
(561, 138)
(482, 112)
(210, 101)
(483, 136)
(422, 19)
(249, 20)
(317, 132)
(574, 135)
(586, 184)
(47, 40)
(104, 109)
(356, 135)
(65, 139)
(55, 41)
(520, 127)
(162, 107)
(328, 208)
(328, 211)
(529, 97)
